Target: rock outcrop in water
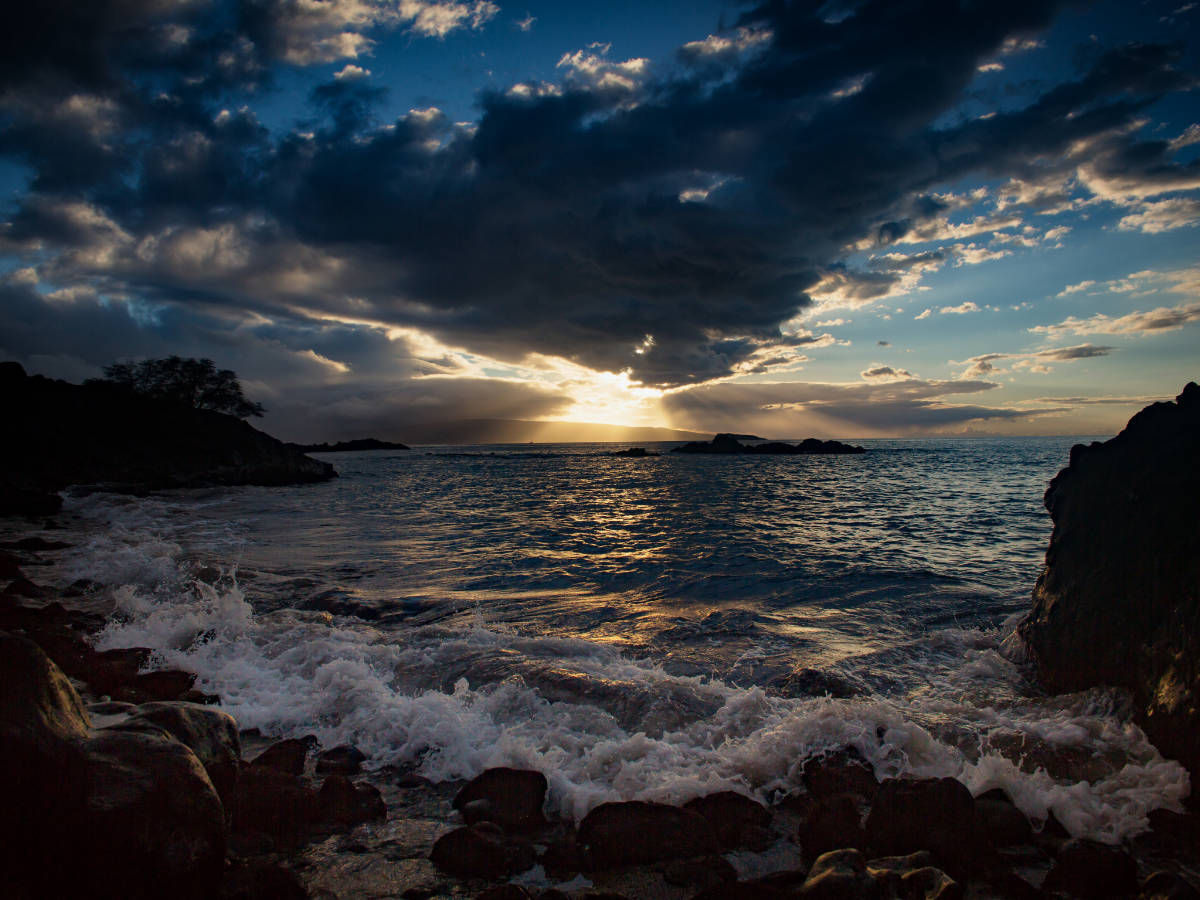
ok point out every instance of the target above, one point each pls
(1119, 600)
(62, 434)
(349, 446)
(729, 443)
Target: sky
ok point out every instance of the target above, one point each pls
(826, 219)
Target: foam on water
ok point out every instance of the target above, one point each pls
(602, 724)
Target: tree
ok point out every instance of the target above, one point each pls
(197, 383)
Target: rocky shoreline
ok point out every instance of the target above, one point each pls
(729, 443)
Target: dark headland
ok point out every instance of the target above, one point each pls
(122, 783)
(730, 443)
(348, 446)
(60, 434)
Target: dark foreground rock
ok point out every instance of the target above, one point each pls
(512, 798)
(1119, 600)
(637, 833)
(729, 443)
(736, 820)
(84, 434)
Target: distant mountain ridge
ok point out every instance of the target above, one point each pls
(520, 431)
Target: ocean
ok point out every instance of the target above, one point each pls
(637, 628)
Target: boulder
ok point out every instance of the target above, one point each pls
(156, 827)
(341, 760)
(262, 881)
(210, 733)
(638, 833)
(23, 587)
(1092, 871)
(1119, 600)
(1167, 886)
(845, 772)
(285, 756)
(342, 802)
(833, 823)
(273, 803)
(19, 501)
(934, 814)
(472, 852)
(736, 820)
(843, 875)
(512, 798)
(1004, 824)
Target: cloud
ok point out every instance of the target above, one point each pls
(983, 366)
(1075, 288)
(877, 407)
(574, 217)
(924, 315)
(968, 307)
(885, 343)
(525, 24)
(886, 373)
(351, 73)
(1156, 320)
(1165, 215)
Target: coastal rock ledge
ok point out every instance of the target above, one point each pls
(64, 434)
(1119, 600)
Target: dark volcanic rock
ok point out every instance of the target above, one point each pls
(273, 803)
(1119, 600)
(341, 760)
(512, 798)
(637, 833)
(833, 823)
(736, 820)
(345, 803)
(472, 852)
(1167, 886)
(1092, 871)
(729, 443)
(209, 733)
(934, 814)
(1005, 825)
(845, 772)
(286, 756)
(81, 434)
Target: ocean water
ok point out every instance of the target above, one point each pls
(656, 628)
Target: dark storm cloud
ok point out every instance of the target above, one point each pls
(667, 222)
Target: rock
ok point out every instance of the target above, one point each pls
(262, 881)
(1119, 600)
(9, 570)
(166, 684)
(833, 823)
(930, 884)
(935, 814)
(157, 827)
(33, 543)
(700, 872)
(341, 760)
(345, 446)
(19, 501)
(200, 698)
(1167, 886)
(841, 875)
(736, 820)
(471, 852)
(512, 798)
(285, 756)
(638, 833)
(1004, 824)
(23, 587)
(844, 772)
(250, 843)
(210, 733)
(1091, 870)
(344, 803)
(729, 443)
(273, 803)
(83, 434)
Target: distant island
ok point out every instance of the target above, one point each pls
(521, 431)
(729, 443)
(343, 446)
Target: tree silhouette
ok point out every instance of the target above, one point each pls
(197, 383)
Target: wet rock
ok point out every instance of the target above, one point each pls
(274, 803)
(563, 855)
(935, 814)
(808, 682)
(930, 884)
(1091, 870)
(1117, 603)
(250, 843)
(17, 501)
(262, 881)
(341, 760)
(842, 875)
(34, 544)
(286, 756)
(833, 823)
(471, 852)
(23, 587)
(512, 798)
(700, 872)
(210, 733)
(639, 833)
(736, 820)
(9, 570)
(157, 827)
(844, 772)
(345, 803)
(166, 684)
(1004, 824)
(200, 698)
(1167, 886)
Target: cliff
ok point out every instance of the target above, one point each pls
(1119, 600)
(61, 434)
